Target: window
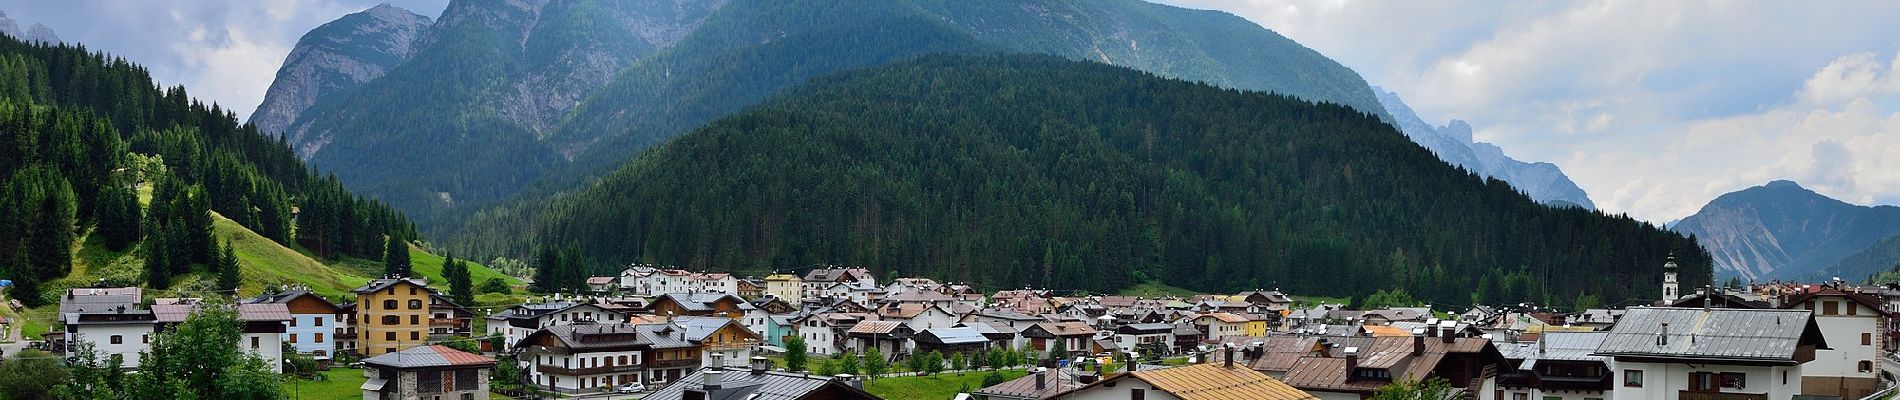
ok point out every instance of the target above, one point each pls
(1520, 396)
(412, 291)
(116, 339)
(293, 324)
(1866, 366)
(253, 343)
(1633, 378)
(316, 321)
(1734, 380)
(1853, 309)
(413, 335)
(389, 304)
(293, 338)
(415, 320)
(1137, 394)
(319, 338)
(147, 339)
(1829, 308)
(391, 320)
(415, 304)
(389, 336)
(1866, 339)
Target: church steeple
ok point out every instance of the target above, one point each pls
(1669, 292)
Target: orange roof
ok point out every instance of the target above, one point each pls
(1387, 331)
(1230, 318)
(1216, 382)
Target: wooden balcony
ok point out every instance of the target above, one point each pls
(566, 371)
(1693, 395)
(686, 363)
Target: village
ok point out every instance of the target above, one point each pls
(831, 332)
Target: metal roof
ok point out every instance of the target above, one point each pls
(430, 356)
(664, 336)
(968, 335)
(1055, 382)
(768, 385)
(1557, 346)
(1712, 334)
(698, 328)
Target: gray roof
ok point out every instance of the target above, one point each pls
(743, 384)
(96, 300)
(380, 284)
(699, 301)
(664, 336)
(1155, 327)
(594, 337)
(1557, 346)
(698, 328)
(1712, 335)
(965, 335)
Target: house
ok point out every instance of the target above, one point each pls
(1558, 367)
(966, 340)
(1187, 337)
(701, 304)
(825, 333)
(448, 320)
(601, 284)
(759, 382)
(1266, 300)
(759, 318)
(1851, 323)
(516, 323)
(670, 355)
(346, 334)
(785, 286)
(1075, 337)
(1219, 325)
(1042, 384)
(820, 279)
(717, 282)
(1155, 339)
(391, 314)
(999, 335)
(890, 338)
(111, 319)
(778, 329)
(1191, 382)
(1714, 353)
(426, 372)
(919, 316)
(312, 326)
(584, 357)
(751, 288)
(263, 325)
(1351, 367)
(718, 338)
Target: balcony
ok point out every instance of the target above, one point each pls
(560, 370)
(1599, 383)
(1692, 395)
(685, 363)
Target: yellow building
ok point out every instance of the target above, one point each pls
(392, 315)
(786, 287)
(1256, 325)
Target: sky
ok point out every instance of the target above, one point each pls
(223, 51)
(1653, 107)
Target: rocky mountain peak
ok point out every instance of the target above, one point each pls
(336, 56)
(1783, 230)
(1452, 142)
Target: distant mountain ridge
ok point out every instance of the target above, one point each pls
(1452, 142)
(503, 97)
(1782, 230)
(35, 33)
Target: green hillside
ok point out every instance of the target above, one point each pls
(1039, 171)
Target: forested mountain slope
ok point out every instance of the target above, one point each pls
(1012, 170)
(503, 98)
(80, 130)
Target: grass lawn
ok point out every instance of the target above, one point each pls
(1157, 289)
(337, 384)
(934, 387)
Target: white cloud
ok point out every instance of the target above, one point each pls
(1652, 107)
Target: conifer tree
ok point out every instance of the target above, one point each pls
(396, 257)
(227, 267)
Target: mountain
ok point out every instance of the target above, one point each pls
(1452, 142)
(1781, 230)
(333, 59)
(505, 98)
(79, 130)
(35, 33)
(1010, 170)
(1881, 256)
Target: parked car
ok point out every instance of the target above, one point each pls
(634, 387)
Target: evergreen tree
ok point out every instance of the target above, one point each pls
(118, 217)
(456, 272)
(227, 267)
(158, 269)
(396, 258)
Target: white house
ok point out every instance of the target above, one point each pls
(631, 278)
(587, 357)
(516, 323)
(1694, 353)
(110, 319)
(1849, 367)
(312, 325)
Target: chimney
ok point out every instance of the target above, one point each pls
(1418, 345)
(760, 365)
(1228, 353)
(1708, 296)
(1431, 330)
(1040, 380)
(1540, 343)
(849, 379)
(1445, 330)
(1663, 339)
(1352, 359)
(718, 361)
(712, 378)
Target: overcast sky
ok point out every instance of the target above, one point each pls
(1654, 107)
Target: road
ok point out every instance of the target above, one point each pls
(12, 342)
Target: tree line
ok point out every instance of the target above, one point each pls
(1014, 171)
(82, 132)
